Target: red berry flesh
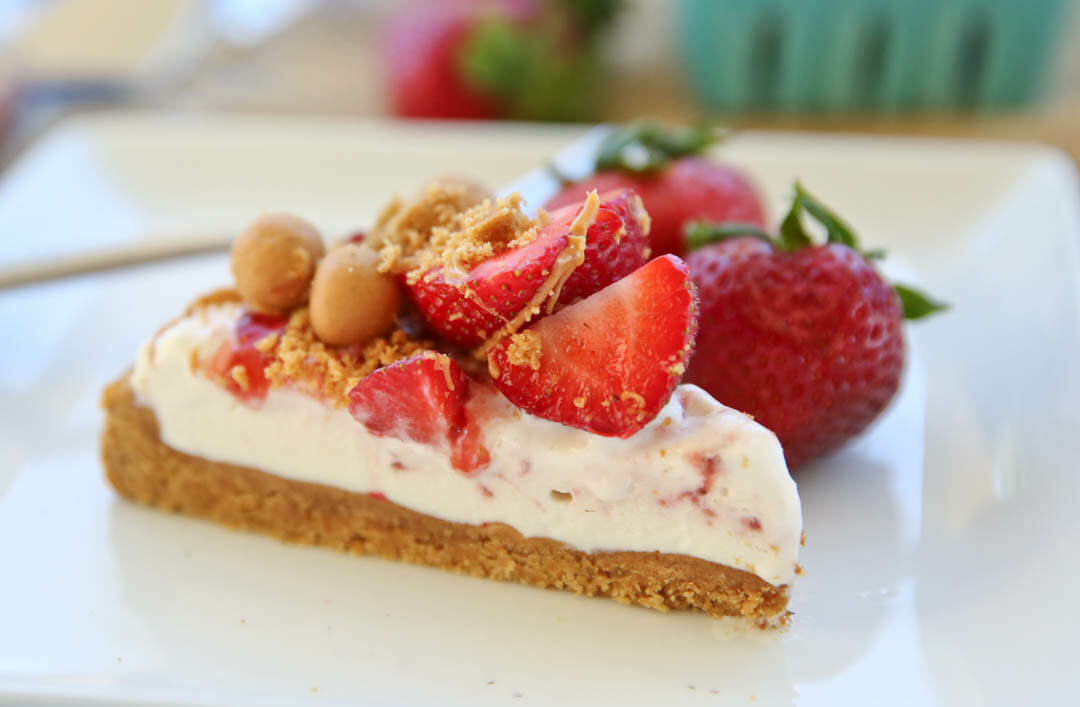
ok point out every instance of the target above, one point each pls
(249, 382)
(609, 363)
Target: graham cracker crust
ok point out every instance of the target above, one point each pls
(143, 468)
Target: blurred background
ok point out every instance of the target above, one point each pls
(997, 68)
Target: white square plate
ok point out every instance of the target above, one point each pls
(940, 549)
(121, 186)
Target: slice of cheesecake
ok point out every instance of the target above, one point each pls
(402, 447)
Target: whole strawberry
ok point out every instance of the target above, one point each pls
(806, 338)
(676, 185)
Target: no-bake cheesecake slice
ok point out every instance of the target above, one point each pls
(546, 441)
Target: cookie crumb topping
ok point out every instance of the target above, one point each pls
(239, 374)
(299, 358)
(446, 227)
(525, 350)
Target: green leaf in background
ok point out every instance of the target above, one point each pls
(495, 58)
(526, 71)
(593, 16)
(702, 233)
(916, 304)
(645, 147)
(542, 67)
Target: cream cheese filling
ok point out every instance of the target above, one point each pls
(701, 479)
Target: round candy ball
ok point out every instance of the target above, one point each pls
(274, 260)
(351, 302)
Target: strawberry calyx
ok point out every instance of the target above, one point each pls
(539, 61)
(793, 236)
(643, 147)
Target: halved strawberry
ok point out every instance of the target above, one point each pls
(616, 245)
(421, 399)
(608, 363)
(468, 310)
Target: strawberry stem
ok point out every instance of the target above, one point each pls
(702, 233)
(644, 147)
(794, 236)
(836, 229)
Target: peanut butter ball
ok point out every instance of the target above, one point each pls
(351, 302)
(274, 260)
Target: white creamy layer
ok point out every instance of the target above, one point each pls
(645, 493)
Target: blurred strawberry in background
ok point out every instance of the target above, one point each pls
(677, 183)
(487, 59)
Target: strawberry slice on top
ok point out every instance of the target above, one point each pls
(616, 244)
(422, 398)
(608, 363)
(468, 310)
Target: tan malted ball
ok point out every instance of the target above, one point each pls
(473, 192)
(351, 302)
(274, 260)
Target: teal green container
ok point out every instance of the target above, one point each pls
(868, 55)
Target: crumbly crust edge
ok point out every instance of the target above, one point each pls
(143, 468)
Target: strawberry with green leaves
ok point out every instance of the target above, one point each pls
(487, 59)
(677, 184)
(807, 338)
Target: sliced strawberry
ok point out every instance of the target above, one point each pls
(239, 364)
(615, 246)
(608, 363)
(421, 399)
(468, 310)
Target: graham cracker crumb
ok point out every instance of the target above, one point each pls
(267, 343)
(525, 350)
(443, 228)
(301, 359)
(239, 374)
(641, 215)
